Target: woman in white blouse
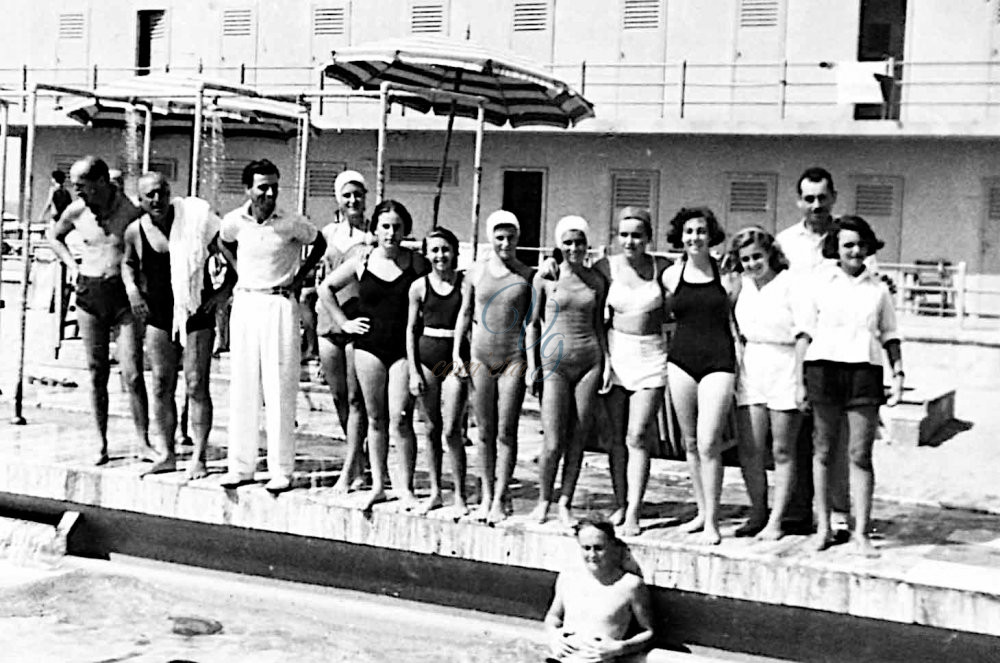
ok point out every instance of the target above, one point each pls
(765, 392)
(849, 319)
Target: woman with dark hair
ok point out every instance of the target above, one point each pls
(384, 276)
(849, 320)
(435, 301)
(765, 392)
(496, 302)
(572, 307)
(701, 366)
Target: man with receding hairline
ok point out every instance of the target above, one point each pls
(100, 215)
(166, 277)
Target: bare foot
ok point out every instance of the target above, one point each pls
(434, 502)
(496, 515)
(342, 486)
(357, 484)
(147, 454)
(459, 509)
(618, 517)
(770, 533)
(482, 513)
(376, 497)
(566, 516)
(101, 458)
(408, 501)
(862, 545)
(168, 464)
(630, 527)
(696, 524)
(752, 527)
(708, 536)
(196, 470)
(821, 541)
(540, 513)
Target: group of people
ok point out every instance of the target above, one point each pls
(791, 329)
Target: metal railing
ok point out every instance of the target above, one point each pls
(920, 91)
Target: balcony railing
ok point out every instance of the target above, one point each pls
(954, 92)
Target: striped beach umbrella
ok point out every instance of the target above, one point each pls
(517, 91)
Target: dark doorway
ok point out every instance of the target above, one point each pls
(881, 34)
(524, 195)
(150, 37)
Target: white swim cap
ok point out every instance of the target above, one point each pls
(568, 223)
(501, 217)
(348, 177)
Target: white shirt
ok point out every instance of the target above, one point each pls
(848, 318)
(772, 314)
(270, 251)
(802, 247)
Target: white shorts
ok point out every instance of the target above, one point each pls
(637, 361)
(767, 376)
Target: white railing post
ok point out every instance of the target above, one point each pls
(960, 293)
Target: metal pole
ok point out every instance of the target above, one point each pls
(683, 91)
(380, 154)
(147, 139)
(444, 164)
(960, 291)
(477, 177)
(784, 87)
(4, 127)
(304, 163)
(199, 109)
(29, 180)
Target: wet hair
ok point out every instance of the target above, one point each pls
(258, 167)
(387, 206)
(58, 176)
(639, 214)
(831, 243)
(446, 235)
(715, 233)
(814, 174)
(750, 236)
(601, 526)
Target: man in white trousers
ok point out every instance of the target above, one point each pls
(264, 325)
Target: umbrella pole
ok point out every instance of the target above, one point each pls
(477, 178)
(199, 109)
(147, 139)
(303, 162)
(4, 129)
(29, 180)
(380, 154)
(444, 164)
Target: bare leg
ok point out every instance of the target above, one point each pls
(337, 363)
(618, 456)
(430, 405)
(163, 361)
(131, 364)
(197, 378)
(374, 378)
(510, 388)
(754, 424)
(555, 408)
(862, 422)
(401, 431)
(827, 419)
(484, 400)
(585, 396)
(785, 426)
(684, 393)
(454, 392)
(96, 337)
(643, 407)
(715, 397)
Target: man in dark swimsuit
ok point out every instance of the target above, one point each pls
(100, 217)
(165, 274)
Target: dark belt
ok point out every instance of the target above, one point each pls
(280, 290)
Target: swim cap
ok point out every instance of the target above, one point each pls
(501, 217)
(568, 223)
(348, 177)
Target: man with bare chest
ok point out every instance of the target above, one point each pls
(169, 288)
(100, 215)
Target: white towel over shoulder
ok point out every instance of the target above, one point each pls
(194, 227)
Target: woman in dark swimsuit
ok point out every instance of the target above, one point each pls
(496, 296)
(384, 276)
(434, 304)
(701, 365)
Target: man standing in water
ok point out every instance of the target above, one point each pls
(264, 326)
(166, 276)
(100, 216)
